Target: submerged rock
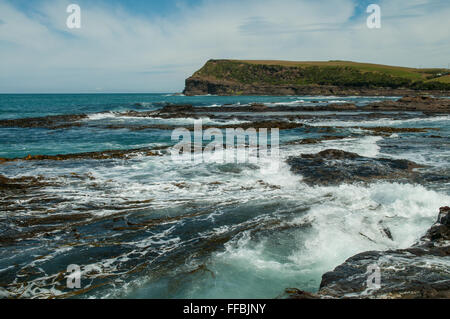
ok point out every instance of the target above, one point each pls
(331, 167)
(100, 155)
(20, 183)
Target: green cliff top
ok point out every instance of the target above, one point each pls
(340, 73)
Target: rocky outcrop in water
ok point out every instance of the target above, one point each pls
(51, 121)
(199, 86)
(421, 271)
(101, 155)
(20, 184)
(332, 167)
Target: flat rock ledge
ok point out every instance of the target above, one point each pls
(333, 167)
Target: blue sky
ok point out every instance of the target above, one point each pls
(152, 46)
(151, 8)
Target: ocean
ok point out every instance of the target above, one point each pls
(141, 226)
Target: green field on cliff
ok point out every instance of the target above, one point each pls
(339, 73)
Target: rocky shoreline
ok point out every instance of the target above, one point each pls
(425, 104)
(420, 271)
(333, 167)
(76, 199)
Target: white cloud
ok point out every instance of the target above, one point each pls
(119, 51)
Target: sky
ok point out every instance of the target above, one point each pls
(153, 46)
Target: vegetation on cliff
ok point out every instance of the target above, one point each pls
(332, 73)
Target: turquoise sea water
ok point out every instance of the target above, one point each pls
(40, 141)
(31, 105)
(152, 228)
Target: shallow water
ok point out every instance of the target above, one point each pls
(158, 229)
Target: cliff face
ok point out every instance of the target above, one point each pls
(229, 77)
(200, 86)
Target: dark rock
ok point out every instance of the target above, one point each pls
(258, 107)
(413, 103)
(100, 155)
(51, 122)
(386, 231)
(177, 108)
(331, 167)
(441, 230)
(20, 183)
(294, 293)
(415, 99)
(420, 271)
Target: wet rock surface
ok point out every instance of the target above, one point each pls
(20, 184)
(421, 271)
(407, 103)
(385, 130)
(332, 167)
(50, 122)
(101, 155)
(414, 103)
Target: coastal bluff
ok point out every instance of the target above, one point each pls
(252, 77)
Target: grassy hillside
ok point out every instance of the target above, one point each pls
(443, 79)
(339, 73)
